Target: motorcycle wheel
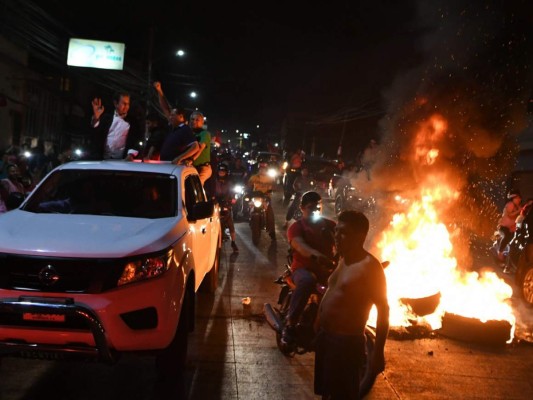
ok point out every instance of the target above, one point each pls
(255, 226)
(524, 275)
(527, 287)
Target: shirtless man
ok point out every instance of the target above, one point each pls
(355, 285)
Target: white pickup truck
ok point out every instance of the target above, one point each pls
(104, 258)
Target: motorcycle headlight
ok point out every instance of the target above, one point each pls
(144, 268)
(272, 172)
(317, 213)
(258, 202)
(238, 189)
(285, 165)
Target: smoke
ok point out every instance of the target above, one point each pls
(455, 118)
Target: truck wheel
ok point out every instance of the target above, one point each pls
(210, 282)
(171, 362)
(255, 226)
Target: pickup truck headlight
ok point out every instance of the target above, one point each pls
(144, 268)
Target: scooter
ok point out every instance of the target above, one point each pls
(305, 332)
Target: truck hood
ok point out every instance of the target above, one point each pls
(90, 236)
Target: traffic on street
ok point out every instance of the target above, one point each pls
(233, 352)
(223, 202)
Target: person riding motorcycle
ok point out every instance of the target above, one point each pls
(302, 184)
(507, 222)
(312, 243)
(293, 170)
(262, 182)
(223, 186)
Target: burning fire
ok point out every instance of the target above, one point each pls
(419, 248)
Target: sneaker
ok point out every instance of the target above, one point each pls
(508, 269)
(287, 336)
(234, 247)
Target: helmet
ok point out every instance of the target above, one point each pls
(222, 167)
(310, 197)
(514, 193)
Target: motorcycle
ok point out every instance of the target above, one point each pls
(258, 205)
(225, 210)
(237, 203)
(295, 201)
(305, 329)
(518, 256)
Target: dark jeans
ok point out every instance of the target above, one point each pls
(507, 236)
(305, 282)
(338, 360)
(293, 206)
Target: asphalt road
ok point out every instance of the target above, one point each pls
(233, 353)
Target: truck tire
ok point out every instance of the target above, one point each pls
(171, 362)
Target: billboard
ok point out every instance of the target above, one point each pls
(95, 54)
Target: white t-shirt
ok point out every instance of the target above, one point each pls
(116, 138)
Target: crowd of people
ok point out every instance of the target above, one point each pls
(21, 168)
(356, 284)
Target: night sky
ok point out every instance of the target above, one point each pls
(343, 67)
(253, 62)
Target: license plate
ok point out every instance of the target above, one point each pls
(43, 317)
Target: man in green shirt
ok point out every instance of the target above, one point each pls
(202, 159)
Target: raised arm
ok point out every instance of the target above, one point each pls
(98, 110)
(163, 102)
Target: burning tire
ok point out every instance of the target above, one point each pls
(424, 305)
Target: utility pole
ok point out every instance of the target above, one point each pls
(150, 49)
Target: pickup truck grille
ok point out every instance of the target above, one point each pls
(58, 275)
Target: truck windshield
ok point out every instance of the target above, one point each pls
(95, 192)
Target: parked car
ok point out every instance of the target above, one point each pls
(104, 258)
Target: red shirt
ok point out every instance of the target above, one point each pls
(319, 236)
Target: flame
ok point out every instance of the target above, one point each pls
(419, 248)
(422, 264)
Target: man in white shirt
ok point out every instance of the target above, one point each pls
(113, 134)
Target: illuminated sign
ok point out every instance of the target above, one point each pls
(95, 54)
